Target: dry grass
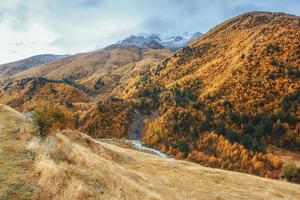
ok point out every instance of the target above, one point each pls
(9, 119)
(16, 162)
(286, 156)
(74, 166)
(71, 165)
(113, 65)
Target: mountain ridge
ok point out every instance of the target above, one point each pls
(101, 71)
(12, 68)
(171, 42)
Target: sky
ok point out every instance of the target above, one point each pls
(32, 27)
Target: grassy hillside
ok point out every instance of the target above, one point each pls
(78, 167)
(17, 179)
(71, 165)
(10, 69)
(102, 71)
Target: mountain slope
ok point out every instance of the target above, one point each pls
(10, 69)
(71, 165)
(240, 80)
(221, 101)
(26, 94)
(16, 162)
(100, 72)
(126, 174)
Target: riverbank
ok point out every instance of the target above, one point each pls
(134, 144)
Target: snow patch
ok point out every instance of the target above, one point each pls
(172, 42)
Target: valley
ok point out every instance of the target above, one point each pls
(192, 116)
(72, 165)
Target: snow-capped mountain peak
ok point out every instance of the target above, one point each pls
(175, 42)
(172, 42)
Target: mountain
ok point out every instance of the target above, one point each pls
(224, 101)
(71, 165)
(10, 69)
(102, 71)
(141, 40)
(179, 41)
(172, 42)
(28, 93)
(236, 85)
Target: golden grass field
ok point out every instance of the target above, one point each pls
(17, 180)
(71, 165)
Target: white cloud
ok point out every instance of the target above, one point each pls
(19, 44)
(63, 26)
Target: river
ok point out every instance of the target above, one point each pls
(138, 145)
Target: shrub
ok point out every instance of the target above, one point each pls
(234, 117)
(221, 127)
(267, 127)
(232, 135)
(259, 118)
(272, 48)
(291, 120)
(259, 131)
(291, 173)
(182, 96)
(101, 107)
(199, 106)
(205, 126)
(143, 104)
(279, 130)
(248, 129)
(209, 114)
(48, 116)
(244, 118)
(99, 83)
(68, 103)
(43, 125)
(76, 121)
(183, 146)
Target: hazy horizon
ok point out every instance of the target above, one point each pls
(56, 27)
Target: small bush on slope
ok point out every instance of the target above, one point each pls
(291, 172)
(50, 116)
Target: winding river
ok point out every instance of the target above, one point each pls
(136, 144)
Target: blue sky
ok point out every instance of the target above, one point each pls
(30, 27)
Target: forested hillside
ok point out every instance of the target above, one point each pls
(232, 92)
